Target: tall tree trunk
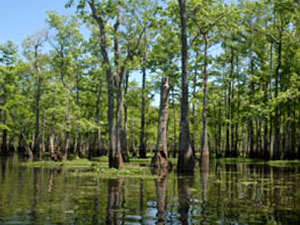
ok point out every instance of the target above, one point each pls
(132, 142)
(271, 145)
(119, 75)
(142, 148)
(125, 144)
(193, 120)
(79, 144)
(251, 126)
(174, 124)
(43, 146)
(98, 120)
(228, 151)
(266, 132)
(205, 149)
(236, 149)
(66, 146)
(186, 155)
(114, 156)
(276, 154)
(160, 159)
(36, 146)
(52, 132)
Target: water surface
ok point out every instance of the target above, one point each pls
(221, 194)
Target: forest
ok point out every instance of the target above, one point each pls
(141, 78)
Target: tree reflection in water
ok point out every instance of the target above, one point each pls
(184, 197)
(219, 193)
(204, 176)
(115, 200)
(161, 186)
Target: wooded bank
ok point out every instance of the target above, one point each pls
(233, 70)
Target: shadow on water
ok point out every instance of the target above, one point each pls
(3, 166)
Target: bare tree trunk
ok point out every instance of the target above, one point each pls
(43, 147)
(79, 139)
(205, 149)
(52, 133)
(229, 126)
(98, 119)
(193, 119)
(66, 146)
(271, 144)
(251, 126)
(174, 124)
(132, 144)
(186, 156)
(142, 149)
(276, 153)
(160, 159)
(121, 155)
(124, 138)
(36, 146)
(114, 158)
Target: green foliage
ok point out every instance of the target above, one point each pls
(254, 84)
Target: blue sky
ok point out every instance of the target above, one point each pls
(20, 18)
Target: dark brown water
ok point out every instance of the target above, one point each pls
(224, 194)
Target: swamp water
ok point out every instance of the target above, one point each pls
(227, 193)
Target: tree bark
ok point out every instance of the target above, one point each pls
(119, 75)
(115, 159)
(205, 149)
(160, 159)
(186, 155)
(36, 146)
(276, 153)
(193, 119)
(142, 148)
(174, 124)
(125, 128)
(99, 150)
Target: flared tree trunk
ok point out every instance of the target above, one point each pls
(186, 160)
(160, 159)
